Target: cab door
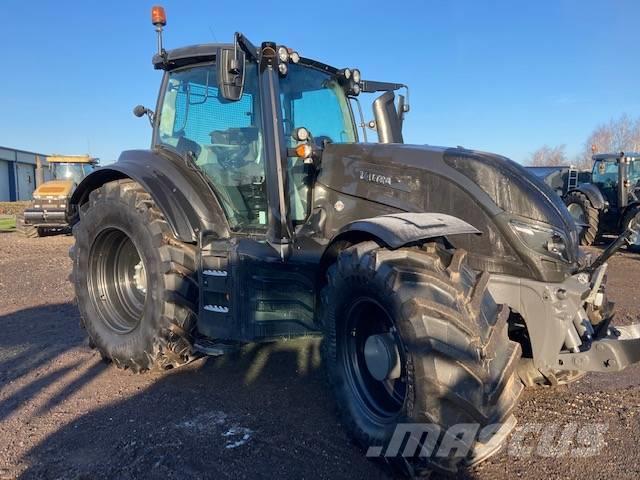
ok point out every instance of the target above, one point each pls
(248, 290)
(605, 176)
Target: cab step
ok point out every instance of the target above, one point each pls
(215, 348)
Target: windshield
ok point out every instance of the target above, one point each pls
(313, 99)
(71, 171)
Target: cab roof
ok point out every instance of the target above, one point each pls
(615, 155)
(71, 159)
(178, 57)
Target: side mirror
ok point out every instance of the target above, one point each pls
(141, 111)
(230, 62)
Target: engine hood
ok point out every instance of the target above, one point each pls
(483, 189)
(54, 188)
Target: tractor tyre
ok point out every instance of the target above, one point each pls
(135, 283)
(414, 336)
(585, 214)
(631, 215)
(25, 230)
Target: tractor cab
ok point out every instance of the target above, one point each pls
(617, 175)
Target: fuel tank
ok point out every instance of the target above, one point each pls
(526, 229)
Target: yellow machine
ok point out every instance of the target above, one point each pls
(47, 211)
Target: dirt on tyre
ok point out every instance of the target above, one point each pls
(585, 214)
(413, 336)
(134, 282)
(25, 230)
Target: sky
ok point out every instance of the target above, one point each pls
(501, 76)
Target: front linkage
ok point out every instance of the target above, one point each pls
(573, 330)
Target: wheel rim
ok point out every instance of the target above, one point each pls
(636, 237)
(117, 280)
(380, 400)
(577, 212)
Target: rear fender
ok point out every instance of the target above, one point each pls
(181, 193)
(593, 193)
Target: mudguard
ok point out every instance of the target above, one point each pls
(593, 193)
(180, 191)
(399, 229)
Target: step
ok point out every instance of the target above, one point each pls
(214, 348)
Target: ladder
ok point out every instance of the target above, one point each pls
(572, 178)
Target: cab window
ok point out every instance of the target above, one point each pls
(312, 99)
(605, 172)
(223, 138)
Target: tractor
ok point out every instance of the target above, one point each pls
(47, 212)
(610, 201)
(443, 280)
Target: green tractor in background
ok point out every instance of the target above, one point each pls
(610, 202)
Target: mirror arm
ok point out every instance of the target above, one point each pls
(249, 48)
(151, 116)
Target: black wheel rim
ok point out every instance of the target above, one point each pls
(117, 280)
(577, 212)
(381, 401)
(635, 223)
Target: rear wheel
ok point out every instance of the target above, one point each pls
(134, 282)
(24, 229)
(585, 215)
(633, 216)
(413, 336)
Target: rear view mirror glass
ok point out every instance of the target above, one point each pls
(230, 73)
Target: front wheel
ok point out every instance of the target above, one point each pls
(24, 229)
(414, 337)
(134, 282)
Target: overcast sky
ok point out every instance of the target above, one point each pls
(502, 76)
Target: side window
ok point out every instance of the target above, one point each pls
(312, 99)
(605, 172)
(224, 139)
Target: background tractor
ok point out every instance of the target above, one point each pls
(442, 279)
(610, 200)
(50, 199)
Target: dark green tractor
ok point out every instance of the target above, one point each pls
(610, 202)
(442, 279)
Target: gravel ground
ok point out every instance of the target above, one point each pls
(263, 413)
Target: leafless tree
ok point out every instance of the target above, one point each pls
(618, 135)
(548, 156)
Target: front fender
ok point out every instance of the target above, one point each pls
(187, 201)
(399, 229)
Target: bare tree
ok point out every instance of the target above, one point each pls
(618, 135)
(548, 156)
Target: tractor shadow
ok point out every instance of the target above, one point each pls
(263, 412)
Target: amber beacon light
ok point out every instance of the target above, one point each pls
(158, 16)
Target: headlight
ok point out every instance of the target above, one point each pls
(356, 75)
(283, 54)
(543, 240)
